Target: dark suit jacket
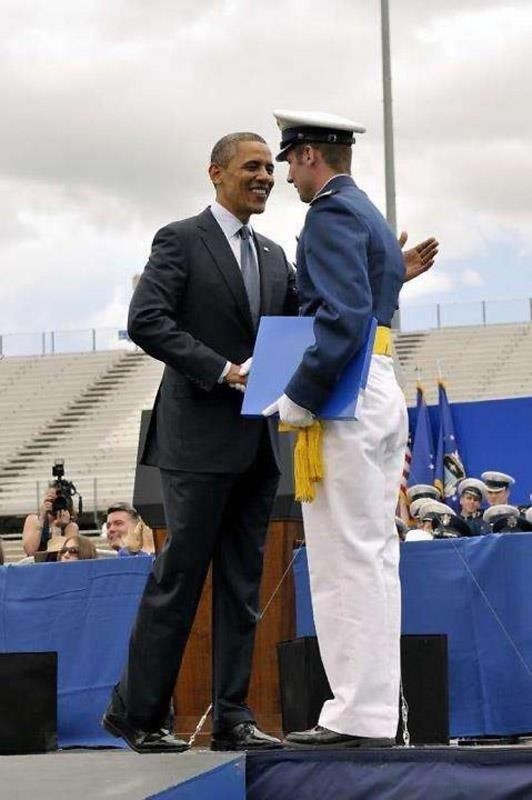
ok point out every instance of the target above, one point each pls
(190, 310)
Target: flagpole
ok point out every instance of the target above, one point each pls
(389, 161)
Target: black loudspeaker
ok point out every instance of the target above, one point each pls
(28, 702)
(304, 686)
(424, 672)
(147, 497)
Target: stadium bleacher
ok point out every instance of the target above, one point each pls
(85, 408)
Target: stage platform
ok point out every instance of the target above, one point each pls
(417, 773)
(399, 773)
(122, 775)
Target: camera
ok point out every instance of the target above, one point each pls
(65, 489)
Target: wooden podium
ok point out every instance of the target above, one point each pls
(192, 694)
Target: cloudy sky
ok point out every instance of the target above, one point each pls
(110, 110)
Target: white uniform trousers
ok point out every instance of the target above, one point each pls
(353, 554)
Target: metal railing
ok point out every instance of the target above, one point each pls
(413, 318)
(469, 312)
(85, 340)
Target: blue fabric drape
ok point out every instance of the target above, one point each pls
(84, 611)
(478, 592)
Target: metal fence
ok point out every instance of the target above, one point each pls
(42, 343)
(413, 318)
(475, 312)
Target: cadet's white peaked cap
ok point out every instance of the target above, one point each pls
(473, 485)
(501, 511)
(496, 481)
(435, 507)
(300, 127)
(420, 490)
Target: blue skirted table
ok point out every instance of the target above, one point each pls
(478, 591)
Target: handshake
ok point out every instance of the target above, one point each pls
(237, 375)
(289, 412)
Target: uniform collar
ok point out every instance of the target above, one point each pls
(333, 184)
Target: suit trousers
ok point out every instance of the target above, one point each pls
(218, 518)
(353, 554)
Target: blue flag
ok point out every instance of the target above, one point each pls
(422, 464)
(449, 468)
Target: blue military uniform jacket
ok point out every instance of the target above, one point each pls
(349, 267)
(476, 524)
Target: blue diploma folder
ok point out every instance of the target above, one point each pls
(281, 343)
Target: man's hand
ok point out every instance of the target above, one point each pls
(420, 258)
(243, 372)
(237, 377)
(289, 412)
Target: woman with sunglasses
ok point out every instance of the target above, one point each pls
(77, 548)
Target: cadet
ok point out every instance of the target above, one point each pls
(497, 487)
(349, 268)
(471, 493)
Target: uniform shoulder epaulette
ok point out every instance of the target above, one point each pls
(329, 193)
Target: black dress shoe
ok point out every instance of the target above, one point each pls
(244, 736)
(161, 741)
(321, 737)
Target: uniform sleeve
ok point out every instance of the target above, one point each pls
(335, 252)
(154, 310)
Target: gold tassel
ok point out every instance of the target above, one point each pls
(308, 460)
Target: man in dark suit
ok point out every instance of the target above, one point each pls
(196, 308)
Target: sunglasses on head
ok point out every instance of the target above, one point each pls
(72, 551)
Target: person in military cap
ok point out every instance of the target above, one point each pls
(446, 523)
(420, 492)
(497, 487)
(504, 518)
(424, 530)
(471, 493)
(349, 268)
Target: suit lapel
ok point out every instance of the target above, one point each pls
(222, 255)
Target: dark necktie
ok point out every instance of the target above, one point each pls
(250, 273)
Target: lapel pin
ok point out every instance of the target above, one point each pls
(266, 248)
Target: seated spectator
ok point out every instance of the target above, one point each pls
(127, 532)
(471, 493)
(446, 524)
(504, 518)
(53, 547)
(423, 532)
(418, 492)
(497, 487)
(77, 548)
(49, 522)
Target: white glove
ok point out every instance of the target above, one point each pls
(289, 412)
(243, 371)
(245, 367)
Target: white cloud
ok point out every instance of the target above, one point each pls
(435, 281)
(471, 277)
(113, 109)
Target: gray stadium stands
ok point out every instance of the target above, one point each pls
(85, 408)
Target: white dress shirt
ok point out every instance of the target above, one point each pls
(230, 226)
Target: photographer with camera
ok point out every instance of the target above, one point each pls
(56, 517)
